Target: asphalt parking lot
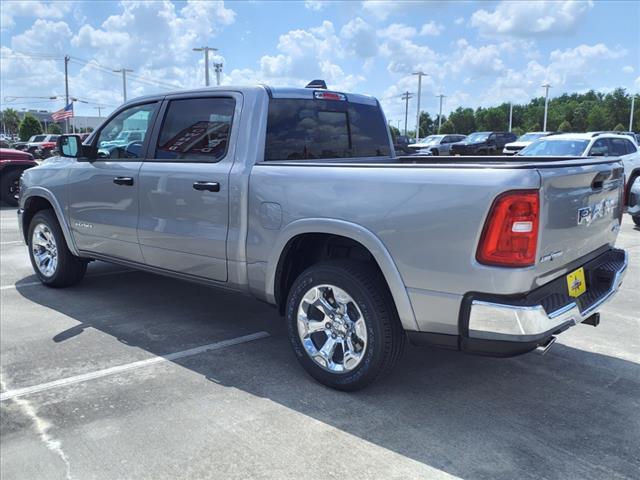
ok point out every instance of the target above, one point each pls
(130, 375)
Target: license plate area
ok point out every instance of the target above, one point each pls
(576, 283)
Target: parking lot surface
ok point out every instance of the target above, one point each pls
(131, 375)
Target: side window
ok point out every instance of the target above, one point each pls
(124, 135)
(600, 148)
(492, 137)
(631, 148)
(617, 147)
(196, 129)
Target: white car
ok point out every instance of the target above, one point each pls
(436, 144)
(591, 144)
(523, 141)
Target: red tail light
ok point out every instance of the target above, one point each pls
(510, 235)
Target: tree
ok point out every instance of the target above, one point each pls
(426, 124)
(463, 120)
(564, 127)
(517, 131)
(597, 119)
(395, 133)
(448, 127)
(619, 128)
(29, 126)
(11, 120)
(54, 128)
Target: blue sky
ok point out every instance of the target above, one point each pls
(476, 53)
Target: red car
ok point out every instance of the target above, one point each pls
(12, 164)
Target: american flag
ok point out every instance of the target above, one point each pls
(66, 112)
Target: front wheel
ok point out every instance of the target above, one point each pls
(636, 219)
(343, 325)
(10, 187)
(52, 261)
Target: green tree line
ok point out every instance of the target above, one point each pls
(576, 112)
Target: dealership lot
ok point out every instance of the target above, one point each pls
(131, 375)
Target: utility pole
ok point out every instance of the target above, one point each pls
(440, 114)
(546, 87)
(99, 111)
(124, 81)
(218, 69)
(510, 114)
(633, 101)
(420, 74)
(66, 90)
(406, 96)
(206, 51)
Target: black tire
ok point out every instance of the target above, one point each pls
(9, 186)
(385, 336)
(70, 269)
(435, 152)
(636, 219)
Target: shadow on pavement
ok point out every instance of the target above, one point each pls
(570, 413)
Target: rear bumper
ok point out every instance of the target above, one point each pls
(506, 326)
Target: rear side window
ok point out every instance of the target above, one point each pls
(315, 129)
(196, 129)
(631, 148)
(617, 147)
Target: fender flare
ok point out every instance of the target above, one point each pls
(32, 192)
(355, 232)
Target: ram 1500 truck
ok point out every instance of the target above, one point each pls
(295, 196)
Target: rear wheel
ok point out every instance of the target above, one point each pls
(10, 187)
(50, 257)
(435, 152)
(636, 219)
(343, 325)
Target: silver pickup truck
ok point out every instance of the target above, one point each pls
(295, 196)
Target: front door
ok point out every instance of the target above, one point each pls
(103, 192)
(184, 187)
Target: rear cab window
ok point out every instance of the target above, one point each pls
(311, 129)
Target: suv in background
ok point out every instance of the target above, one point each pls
(436, 144)
(12, 164)
(523, 141)
(483, 143)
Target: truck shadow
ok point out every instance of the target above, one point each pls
(570, 413)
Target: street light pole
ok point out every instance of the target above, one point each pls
(206, 51)
(546, 87)
(420, 74)
(124, 81)
(633, 102)
(440, 114)
(406, 96)
(66, 90)
(99, 111)
(218, 69)
(510, 114)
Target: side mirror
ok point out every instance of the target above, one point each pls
(70, 146)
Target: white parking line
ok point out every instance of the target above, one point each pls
(12, 243)
(31, 284)
(131, 366)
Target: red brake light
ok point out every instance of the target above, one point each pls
(329, 96)
(510, 234)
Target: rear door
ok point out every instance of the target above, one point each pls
(184, 185)
(103, 192)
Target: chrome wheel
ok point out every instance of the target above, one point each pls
(44, 250)
(332, 328)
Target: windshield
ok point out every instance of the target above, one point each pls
(477, 137)
(530, 137)
(555, 148)
(431, 139)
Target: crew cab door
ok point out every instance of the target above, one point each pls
(103, 191)
(184, 186)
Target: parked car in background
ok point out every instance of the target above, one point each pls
(483, 143)
(522, 141)
(633, 205)
(12, 164)
(237, 187)
(436, 144)
(22, 146)
(401, 145)
(628, 134)
(38, 144)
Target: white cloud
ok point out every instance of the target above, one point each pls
(315, 5)
(43, 33)
(459, 21)
(432, 28)
(381, 9)
(360, 38)
(628, 69)
(12, 9)
(531, 18)
(398, 31)
(477, 61)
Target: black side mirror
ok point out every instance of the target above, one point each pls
(69, 146)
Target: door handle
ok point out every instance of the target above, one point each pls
(123, 181)
(209, 186)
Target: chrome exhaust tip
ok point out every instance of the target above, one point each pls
(544, 348)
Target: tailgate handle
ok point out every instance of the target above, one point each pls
(598, 180)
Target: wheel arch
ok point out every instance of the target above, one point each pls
(315, 228)
(36, 199)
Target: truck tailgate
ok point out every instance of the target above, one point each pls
(580, 211)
